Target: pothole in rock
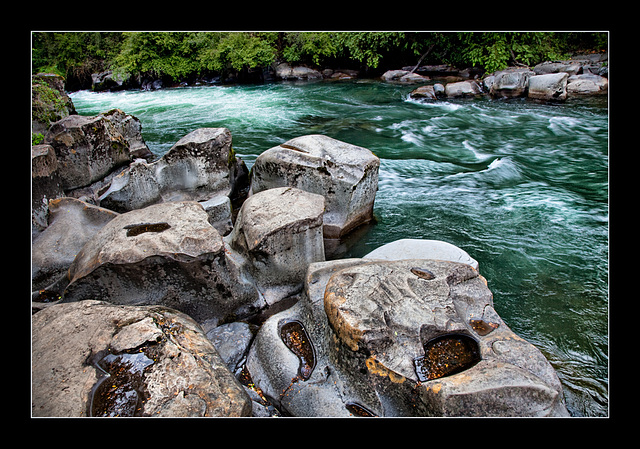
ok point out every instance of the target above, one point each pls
(296, 339)
(446, 355)
(120, 392)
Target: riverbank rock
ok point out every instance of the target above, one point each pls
(549, 87)
(285, 72)
(87, 148)
(414, 337)
(279, 233)
(45, 184)
(424, 92)
(462, 89)
(72, 223)
(108, 81)
(404, 76)
(49, 101)
(199, 167)
(131, 129)
(92, 358)
(165, 254)
(510, 83)
(587, 84)
(346, 175)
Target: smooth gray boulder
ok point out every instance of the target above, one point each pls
(169, 254)
(462, 89)
(200, 166)
(587, 84)
(424, 92)
(87, 149)
(549, 87)
(404, 76)
(285, 72)
(72, 223)
(279, 233)
(346, 175)
(569, 67)
(510, 83)
(92, 358)
(412, 337)
(165, 254)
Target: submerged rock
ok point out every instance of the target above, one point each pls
(92, 358)
(412, 337)
(346, 175)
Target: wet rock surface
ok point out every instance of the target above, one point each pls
(92, 358)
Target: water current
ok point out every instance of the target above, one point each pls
(521, 186)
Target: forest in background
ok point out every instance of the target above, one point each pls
(185, 56)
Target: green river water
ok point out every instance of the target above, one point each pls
(521, 186)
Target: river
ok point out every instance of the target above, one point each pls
(521, 186)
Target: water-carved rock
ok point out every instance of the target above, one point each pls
(92, 358)
(279, 233)
(200, 166)
(346, 175)
(413, 337)
(165, 254)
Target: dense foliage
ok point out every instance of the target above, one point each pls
(180, 55)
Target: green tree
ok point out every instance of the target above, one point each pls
(309, 47)
(496, 51)
(236, 50)
(74, 56)
(159, 54)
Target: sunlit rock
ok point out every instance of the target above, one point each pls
(92, 358)
(346, 175)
